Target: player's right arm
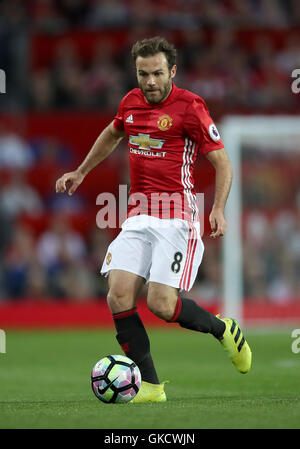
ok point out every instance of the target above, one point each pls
(107, 141)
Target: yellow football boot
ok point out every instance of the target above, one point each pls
(150, 393)
(236, 346)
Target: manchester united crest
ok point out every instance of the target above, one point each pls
(164, 122)
(108, 258)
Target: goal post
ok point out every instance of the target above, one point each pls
(236, 131)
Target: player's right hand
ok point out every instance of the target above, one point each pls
(69, 181)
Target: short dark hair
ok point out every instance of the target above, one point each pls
(152, 46)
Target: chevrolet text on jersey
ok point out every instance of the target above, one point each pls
(148, 152)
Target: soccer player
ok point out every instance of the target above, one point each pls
(160, 241)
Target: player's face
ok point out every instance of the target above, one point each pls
(154, 77)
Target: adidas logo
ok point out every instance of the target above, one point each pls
(129, 119)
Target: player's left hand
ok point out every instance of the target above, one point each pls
(217, 223)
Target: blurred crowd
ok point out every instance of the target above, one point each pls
(217, 60)
(44, 252)
(271, 253)
(271, 239)
(58, 15)
(50, 246)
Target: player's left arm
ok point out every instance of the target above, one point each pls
(220, 160)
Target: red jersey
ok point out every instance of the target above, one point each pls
(164, 140)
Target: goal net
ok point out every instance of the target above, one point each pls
(261, 248)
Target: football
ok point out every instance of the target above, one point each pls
(115, 379)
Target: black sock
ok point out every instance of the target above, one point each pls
(133, 339)
(191, 316)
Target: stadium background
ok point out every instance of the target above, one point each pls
(67, 65)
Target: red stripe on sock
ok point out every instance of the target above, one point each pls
(176, 311)
(125, 347)
(126, 313)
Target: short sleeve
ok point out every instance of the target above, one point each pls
(200, 127)
(118, 120)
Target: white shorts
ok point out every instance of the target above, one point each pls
(168, 251)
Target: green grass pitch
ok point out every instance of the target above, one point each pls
(45, 382)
